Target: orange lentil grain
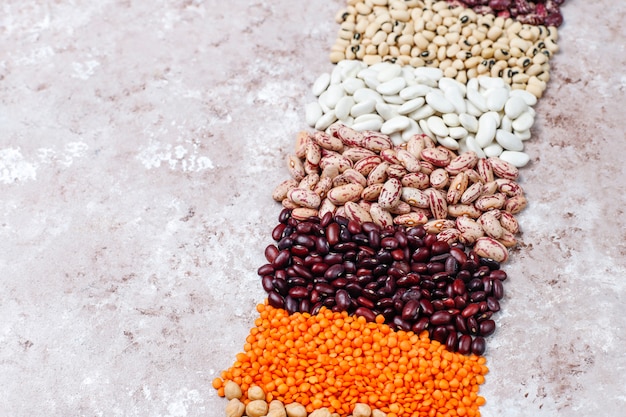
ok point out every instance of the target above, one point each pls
(335, 360)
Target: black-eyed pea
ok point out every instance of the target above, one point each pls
(361, 410)
(235, 408)
(295, 410)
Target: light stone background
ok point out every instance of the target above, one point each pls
(139, 145)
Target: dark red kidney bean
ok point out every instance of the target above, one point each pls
(426, 306)
(470, 265)
(329, 302)
(315, 308)
(367, 264)
(365, 312)
(459, 302)
(303, 271)
(384, 303)
(339, 283)
(332, 233)
(412, 294)
(369, 227)
(296, 281)
(438, 247)
(428, 284)
(271, 251)
(325, 288)
(282, 260)
(420, 325)
(305, 306)
(389, 313)
(281, 286)
(458, 255)
(460, 324)
(484, 316)
(475, 285)
(349, 259)
(354, 227)
(470, 310)
(401, 238)
(401, 324)
(439, 258)
(285, 243)
(421, 254)
(380, 270)
(304, 240)
(277, 233)
(458, 286)
(321, 245)
(448, 303)
(410, 311)
(414, 242)
(374, 239)
(344, 247)
(275, 299)
(498, 274)
(493, 304)
(498, 289)
(452, 341)
(417, 231)
(298, 292)
(389, 243)
(483, 306)
(482, 271)
(267, 269)
(326, 219)
(440, 317)
(487, 285)
(304, 227)
(343, 221)
(315, 296)
(477, 296)
(280, 274)
(419, 268)
(342, 299)
(472, 325)
(268, 283)
(363, 280)
(398, 305)
(390, 286)
(360, 239)
(370, 294)
(464, 275)
(402, 265)
(313, 258)
(371, 286)
(345, 235)
(398, 254)
(434, 267)
(440, 276)
(334, 271)
(489, 263)
(354, 289)
(333, 258)
(430, 239)
(299, 250)
(478, 345)
(440, 334)
(464, 345)
(365, 302)
(319, 268)
(451, 265)
(297, 260)
(408, 280)
(291, 304)
(437, 304)
(284, 215)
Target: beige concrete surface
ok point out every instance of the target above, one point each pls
(139, 144)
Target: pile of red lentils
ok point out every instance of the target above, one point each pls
(384, 277)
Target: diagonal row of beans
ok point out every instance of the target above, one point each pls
(381, 294)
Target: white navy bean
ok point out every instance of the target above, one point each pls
(449, 143)
(496, 98)
(438, 102)
(396, 124)
(523, 122)
(411, 105)
(326, 120)
(391, 87)
(351, 84)
(437, 126)
(312, 112)
(414, 91)
(343, 107)
(469, 122)
(387, 111)
(519, 159)
(364, 107)
(422, 113)
(492, 150)
(451, 119)
(321, 84)
(457, 132)
(515, 106)
(509, 141)
(487, 125)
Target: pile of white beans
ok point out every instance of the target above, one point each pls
(485, 115)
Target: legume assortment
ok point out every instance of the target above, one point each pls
(385, 271)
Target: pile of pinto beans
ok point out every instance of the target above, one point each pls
(399, 212)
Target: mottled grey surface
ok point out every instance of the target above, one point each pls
(139, 144)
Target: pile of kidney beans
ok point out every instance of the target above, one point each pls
(538, 12)
(404, 273)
